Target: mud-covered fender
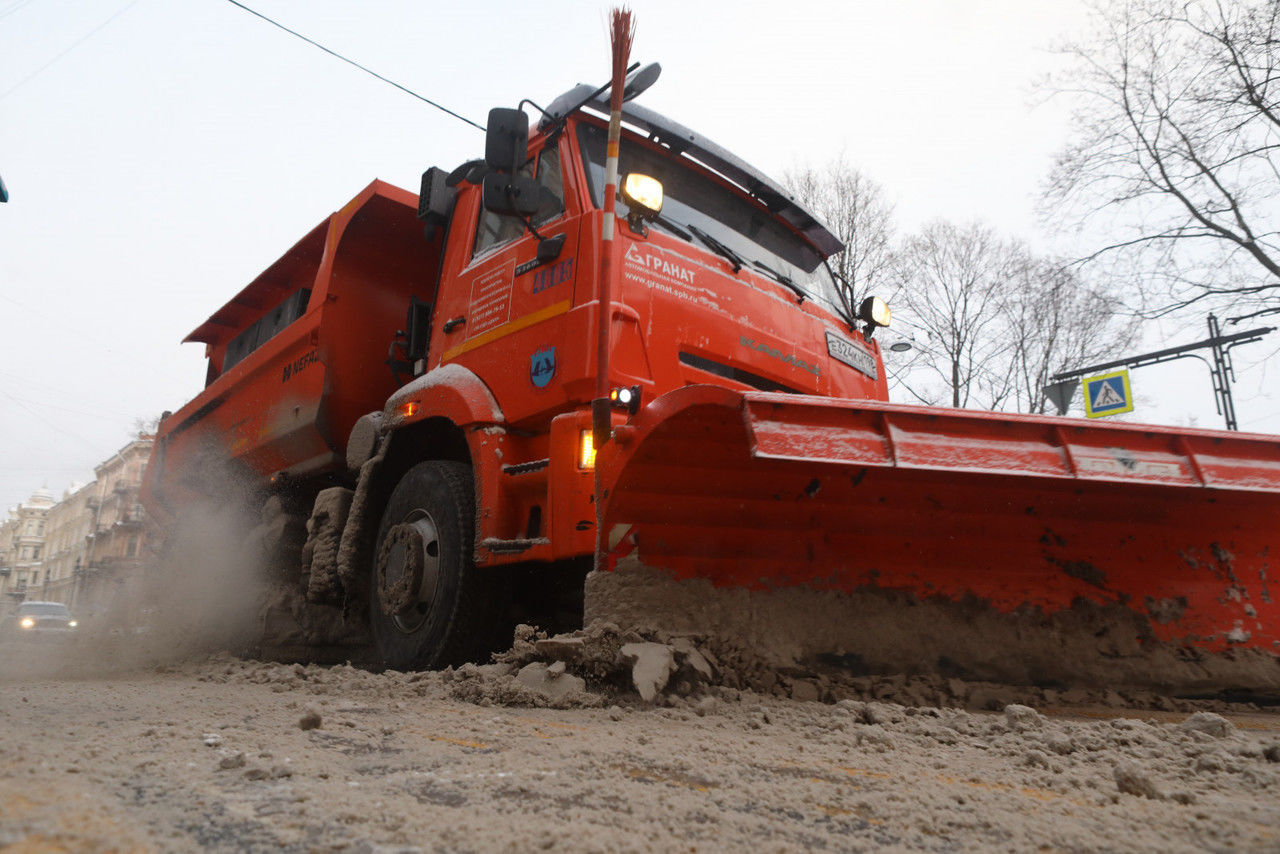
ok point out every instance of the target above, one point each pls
(449, 391)
(456, 395)
(364, 441)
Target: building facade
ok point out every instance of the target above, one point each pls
(22, 550)
(114, 546)
(67, 538)
(84, 550)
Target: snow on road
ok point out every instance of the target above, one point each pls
(239, 755)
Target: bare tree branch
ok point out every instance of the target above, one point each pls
(858, 212)
(1177, 141)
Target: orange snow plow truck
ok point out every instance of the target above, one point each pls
(409, 394)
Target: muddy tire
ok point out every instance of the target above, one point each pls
(280, 537)
(430, 606)
(292, 629)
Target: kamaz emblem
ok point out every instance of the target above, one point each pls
(789, 358)
(542, 367)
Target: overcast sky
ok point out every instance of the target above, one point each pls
(160, 153)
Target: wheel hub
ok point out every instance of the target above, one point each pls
(408, 570)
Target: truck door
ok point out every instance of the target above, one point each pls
(501, 319)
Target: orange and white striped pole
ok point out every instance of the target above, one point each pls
(621, 32)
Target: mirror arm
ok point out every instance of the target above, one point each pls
(520, 106)
(467, 172)
(848, 315)
(528, 223)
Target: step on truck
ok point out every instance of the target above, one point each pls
(408, 394)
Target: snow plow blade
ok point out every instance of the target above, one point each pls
(1172, 535)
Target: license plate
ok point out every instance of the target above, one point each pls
(851, 354)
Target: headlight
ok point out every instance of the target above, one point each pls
(586, 451)
(644, 193)
(72, 624)
(27, 623)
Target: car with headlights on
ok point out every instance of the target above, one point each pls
(41, 621)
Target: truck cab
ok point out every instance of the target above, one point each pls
(726, 284)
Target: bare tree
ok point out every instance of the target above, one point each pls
(145, 428)
(997, 321)
(1176, 149)
(1056, 322)
(953, 282)
(857, 211)
(993, 322)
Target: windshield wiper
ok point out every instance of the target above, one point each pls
(719, 248)
(782, 278)
(738, 262)
(673, 227)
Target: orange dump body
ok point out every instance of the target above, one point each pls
(298, 355)
(768, 490)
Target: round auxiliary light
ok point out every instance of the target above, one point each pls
(643, 194)
(875, 311)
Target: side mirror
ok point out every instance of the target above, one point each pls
(511, 195)
(408, 351)
(506, 139)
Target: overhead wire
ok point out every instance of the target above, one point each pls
(48, 423)
(14, 7)
(337, 55)
(21, 403)
(44, 404)
(74, 45)
(40, 410)
(92, 339)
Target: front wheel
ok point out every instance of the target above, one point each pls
(430, 606)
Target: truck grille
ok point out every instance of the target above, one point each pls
(729, 372)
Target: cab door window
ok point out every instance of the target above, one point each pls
(494, 230)
(549, 177)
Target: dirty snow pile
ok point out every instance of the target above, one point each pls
(605, 664)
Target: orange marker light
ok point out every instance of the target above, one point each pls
(408, 409)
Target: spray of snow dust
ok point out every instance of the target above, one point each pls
(200, 590)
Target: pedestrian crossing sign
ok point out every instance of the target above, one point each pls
(1107, 394)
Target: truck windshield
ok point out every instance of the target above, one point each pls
(696, 204)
